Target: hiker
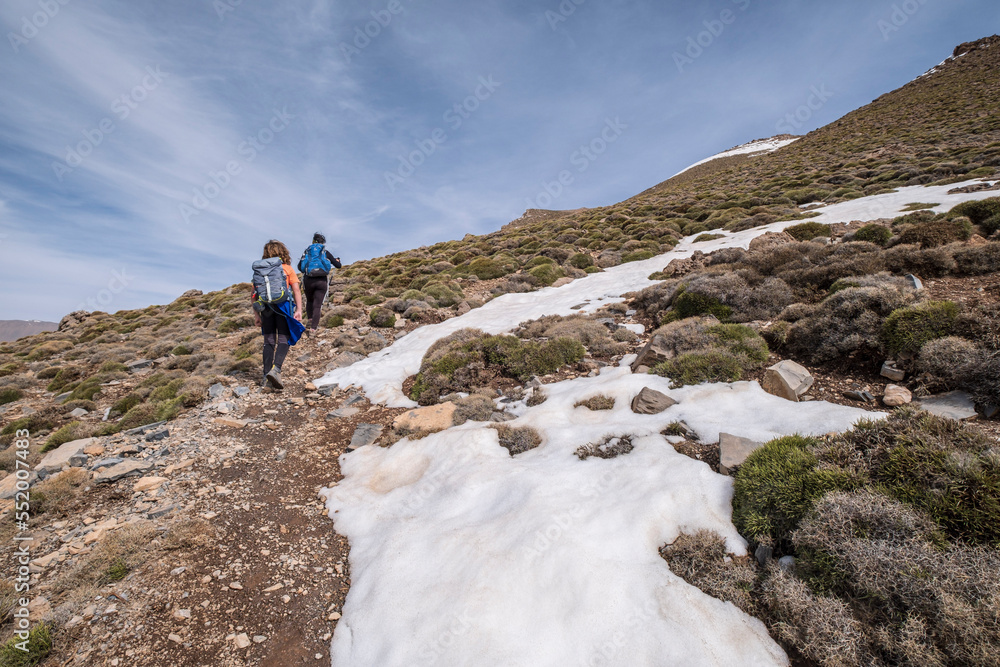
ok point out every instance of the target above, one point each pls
(315, 265)
(281, 326)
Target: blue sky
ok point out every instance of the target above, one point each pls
(147, 148)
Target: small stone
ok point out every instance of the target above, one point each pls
(156, 436)
(309, 386)
(77, 412)
(280, 456)
(242, 641)
(149, 483)
(913, 281)
(763, 554)
(259, 639)
(863, 396)
(177, 570)
(241, 391)
(230, 422)
(216, 390)
(236, 586)
(651, 402)
(890, 371)
(225, 407)
(182, 614)
(174, 638)
(68, 454)
(787, 563)
(895, 396)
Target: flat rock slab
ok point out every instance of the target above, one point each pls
(68, 454)
(149, 483)
(341, 413)
(8, 487)
(956, 405)
(230, 422)
(365, 434)
(651, 402)
(123, 469)
(429, 418)
(734, 450)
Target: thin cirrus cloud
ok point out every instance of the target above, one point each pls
(210, 127)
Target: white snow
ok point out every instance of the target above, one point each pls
(754, 147)
(461, 554)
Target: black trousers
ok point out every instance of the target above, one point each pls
(274, 328)
(315, 289)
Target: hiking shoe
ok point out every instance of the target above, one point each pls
(273, 378)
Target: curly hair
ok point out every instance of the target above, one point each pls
(277, 249)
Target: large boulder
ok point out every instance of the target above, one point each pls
(787, 379)
(69, 454)
(651, 402)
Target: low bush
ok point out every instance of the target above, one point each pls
(977, 211)
(468, 359)
(707, 237)
(67, 433)
(235, 324)
(517, 440)
(477, 407)
(610, 447)
(39, 645)
(382, 318)
(873, 233)
(580, 260)
(333, 321)
(9, 395)
(49, 349)
(907, 329)
(725, 353)
(934, 233)
(599, 402)
(806, 231)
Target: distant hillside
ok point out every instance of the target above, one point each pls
(14, 329)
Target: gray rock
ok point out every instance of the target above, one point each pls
(68, 454)
(501, 417)
(132, 467)
(913, 281)
(78, 412)
(326, 390)
(225, 407)
(763, 554)
(734, 450)
(281, 455)
(630, 312)
(989, 410)
(161, 511)
(304, 357)
(863, 396)
(139, 430)
(216, 390)
(156, 436)
(651, 402)
(341, 413)
(61, 398)
(138, 364)
(956, 405)
(787, 380)
(364, 434)
(890, 371)
(107, 462)
(241, 391)
(787, 563)
(352, 399)
(609, 322)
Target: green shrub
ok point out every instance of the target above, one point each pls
(445, 294)
(44, 374)
(369, 299)
(235, 324)
(382, 317)
(581, 260)
(39, 645)
(113, 367)
(181, 350)
(12, 367)
(708, 237)
(485, 268)
(46, 350)
(991, 225)
(877, 234)
(546, 274)
(86, 390)
(807, 231)
(934, 233)
(907, 329)
(696, 367)
(776, 487)
(977, 211)
(600, 402)
(67, 433)
(637, 256)
(332, 321)
(126, 403)
(9, 395)
(690, 304)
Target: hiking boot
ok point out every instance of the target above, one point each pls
(273, 378)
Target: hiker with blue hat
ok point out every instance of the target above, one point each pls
(315, 265)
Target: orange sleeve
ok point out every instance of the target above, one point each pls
(290, 275)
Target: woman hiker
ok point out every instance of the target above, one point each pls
(315, 265)
(280, 325)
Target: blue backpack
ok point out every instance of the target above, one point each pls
(314, 261)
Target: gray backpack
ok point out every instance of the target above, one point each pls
(269, 283)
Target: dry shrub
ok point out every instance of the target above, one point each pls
(887, 559)
(928, 262)
(115, 554)
(610, 447)
(717, 353)
(977, 260)
(934, 233)
(599, 402)
(847, 321)
(947, 361)
(477, 407)
(58, 491)
(537, 397)
(701, 559)
(517, 440)
(8, 599)
(820, 628)
(188, 534)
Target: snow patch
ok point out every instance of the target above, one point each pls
(753, 148)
